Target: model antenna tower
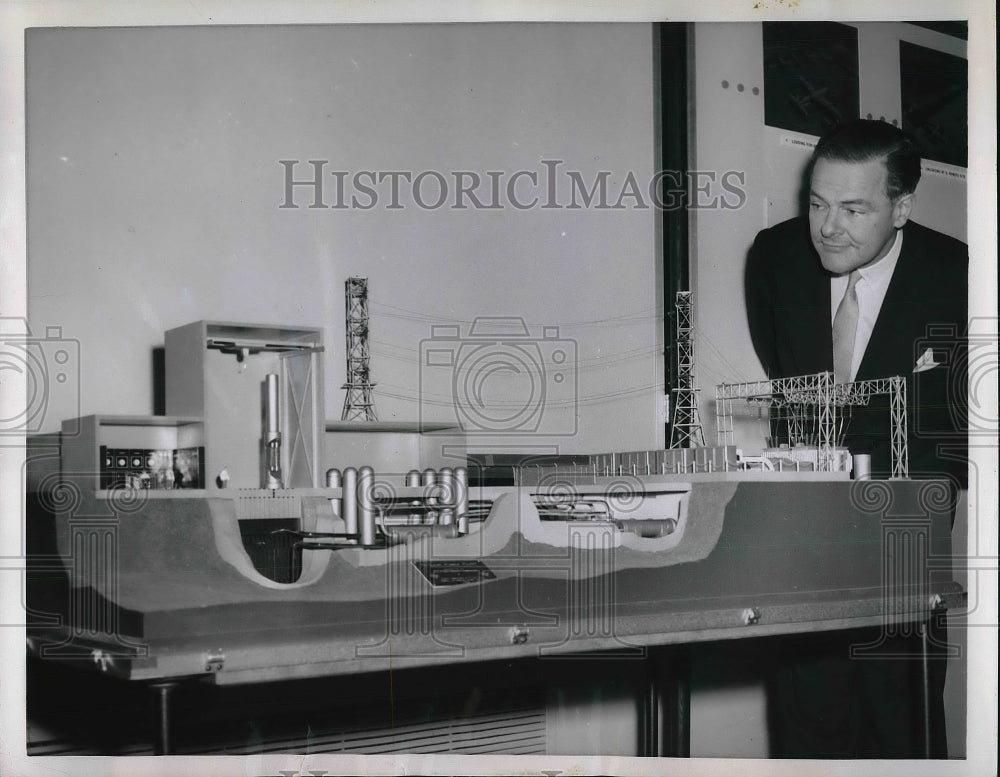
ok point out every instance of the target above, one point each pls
(685, 427)
(358, 403)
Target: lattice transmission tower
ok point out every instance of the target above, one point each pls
(685, 426)
(358, 402)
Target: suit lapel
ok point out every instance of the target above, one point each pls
(811, 332)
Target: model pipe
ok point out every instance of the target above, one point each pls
(462, 499)
(333, 480)
(366, 506)
(272, 434)
(349, 501)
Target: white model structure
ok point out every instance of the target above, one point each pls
(813, 409)
(807, 416)
(685, 427)
(358, 403)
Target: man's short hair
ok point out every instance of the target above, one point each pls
(864, 140)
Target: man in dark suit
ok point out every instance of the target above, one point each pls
(860, 290)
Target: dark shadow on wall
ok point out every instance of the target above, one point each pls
(159, 356)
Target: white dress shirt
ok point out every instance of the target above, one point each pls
(871, 289)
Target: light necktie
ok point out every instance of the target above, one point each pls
(845, 327)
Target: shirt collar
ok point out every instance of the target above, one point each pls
(880, 273)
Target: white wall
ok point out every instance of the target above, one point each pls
(154, 188)
(728, 136)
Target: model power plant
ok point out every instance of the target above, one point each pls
(302, 484)
(807, 417)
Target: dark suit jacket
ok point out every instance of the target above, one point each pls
(788, 310)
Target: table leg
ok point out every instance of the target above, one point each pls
(925, 689)
(667, 707)
(677, 725)
(162, 692)
(650, 742)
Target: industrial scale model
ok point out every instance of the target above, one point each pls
(240, 550)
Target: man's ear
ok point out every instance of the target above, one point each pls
(901, 209)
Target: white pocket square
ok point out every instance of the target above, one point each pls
(926, 361)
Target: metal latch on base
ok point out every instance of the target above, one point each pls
(214, 660)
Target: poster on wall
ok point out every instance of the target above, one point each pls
(934, 91)
(810, 75)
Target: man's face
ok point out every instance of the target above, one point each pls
(851, 218)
